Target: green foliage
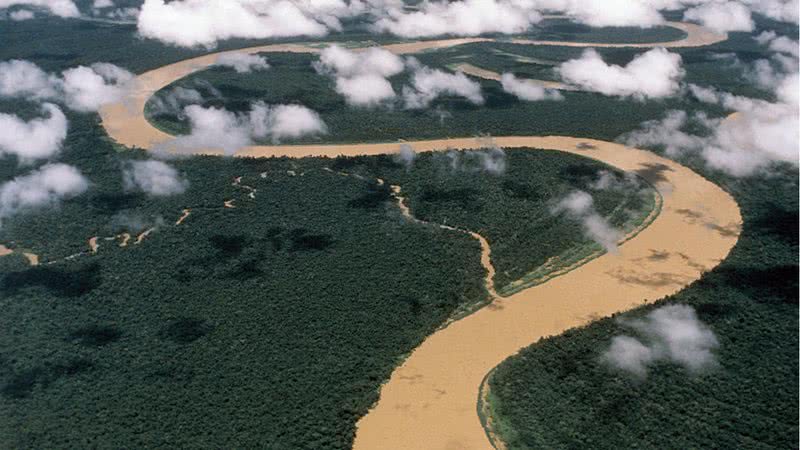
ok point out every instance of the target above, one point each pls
(511, 209)
(269, 324)
(272, 323)
(557, 393)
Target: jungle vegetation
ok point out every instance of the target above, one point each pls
(273, 324)
(558, 394)
(512, 207)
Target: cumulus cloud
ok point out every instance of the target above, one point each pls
(192, 23)
(21, 14)
(610, 13)
(80, 88)
(213, 128)
(279, 122)
(527, 90)
(428, 84)
(153, 177)
(579, 205)
(39, 138)
(752, 141)
(653, 74)
(778, 44)
(491, 159)
(744, 145)
(25, 79)
(722, 16)
(43, 188)
(361, 77)
(780, 10)
(365, 90)
(347, 63)
(61, 8)
(108, 9)
(88, 88)
(671, 334)
(242, 62)
(462, 18)
(406, 156)
(608, 180)
(174, 100)
(669, 133)
(218, 128)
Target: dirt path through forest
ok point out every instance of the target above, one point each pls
(430, 400)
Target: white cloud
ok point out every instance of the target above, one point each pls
(668, 132)
(427, 84)
(21, 14)
(38, 139)
(759, 136)
(212, 128)
(218, 128)
(629, 354)
(61, 8)
(527, 90)
(285, 121)
(612, 13)
(580, 206)
(42, 188)
(81, 88)
(491, 159)
(153, 177)
(722, 16)
(192, 23)
(88, 88)
(242, 62)
(778, 44)
(462, 18)
(654, 74)
(348, 63)
(365, 90)
(406, 156)
(361, 77)
(671, 333)
(173, 101)
(780, 10)
(25, 79)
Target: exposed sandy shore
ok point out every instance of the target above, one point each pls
(141, 237)
(33, 259)
(183, 216)
(430, 400)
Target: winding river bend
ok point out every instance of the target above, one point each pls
(430, 400)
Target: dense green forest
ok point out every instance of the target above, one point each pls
(512, 209)
(271, 323)
(557, 394)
